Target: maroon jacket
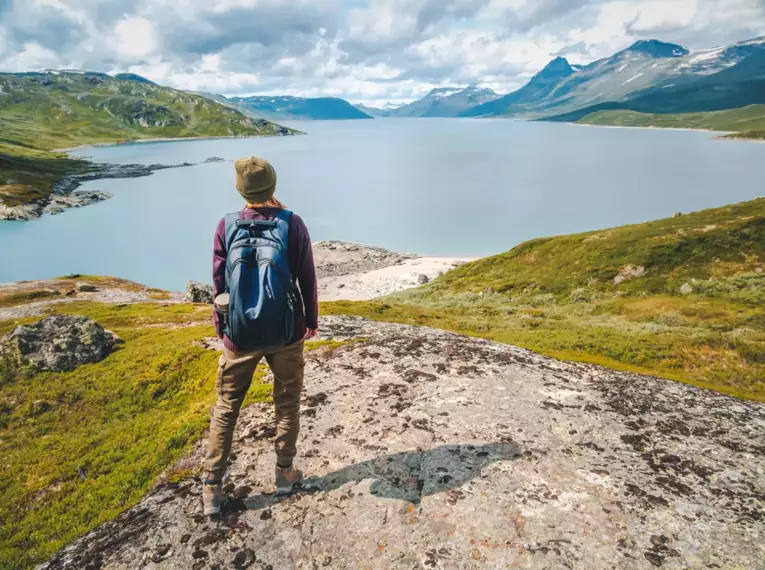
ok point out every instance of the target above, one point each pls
(300, 256)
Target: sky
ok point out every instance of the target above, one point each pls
(366, 51)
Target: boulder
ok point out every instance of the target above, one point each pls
(197, 292)
(59, 344)
(85, 287)
(422, 279)
(629, 272)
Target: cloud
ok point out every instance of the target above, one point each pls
(364, 50)
(210, 29)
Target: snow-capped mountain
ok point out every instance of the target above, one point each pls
(646, 65)
(445, 102)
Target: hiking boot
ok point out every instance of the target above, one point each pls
(287, 479)
(213, 498)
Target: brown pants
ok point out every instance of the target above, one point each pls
(235, 372)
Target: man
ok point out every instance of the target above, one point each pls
(260, 254)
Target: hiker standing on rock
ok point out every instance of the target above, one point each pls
(260, 254)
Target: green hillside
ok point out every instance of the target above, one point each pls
(746, 119)
(41, 112)
(682, 298)
(74, 444)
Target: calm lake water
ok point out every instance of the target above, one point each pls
(452, 187)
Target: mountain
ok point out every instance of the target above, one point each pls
(445, 102)
(657, 49)
(647, 65)
(295, 108)
(740, 85)
(133, 77)
(539, 87)
(55, 109)
(43, 111)
(377, 112)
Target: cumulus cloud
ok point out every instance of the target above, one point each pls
(364, 50)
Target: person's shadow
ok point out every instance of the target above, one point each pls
(409, 476)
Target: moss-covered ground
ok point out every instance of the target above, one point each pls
(745, 122)
(693, 309)
(78, 448)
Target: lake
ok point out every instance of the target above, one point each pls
(450, 187)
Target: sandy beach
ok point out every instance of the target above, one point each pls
(357, 272)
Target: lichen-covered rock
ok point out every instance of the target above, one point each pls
(629, 272)
(425, 449)
(197, 292)
(86, 287)
(59, 344)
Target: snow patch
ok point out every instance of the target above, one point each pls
(622, 68)
(631, 79)
(706, 55)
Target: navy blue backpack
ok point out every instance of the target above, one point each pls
(262, 299)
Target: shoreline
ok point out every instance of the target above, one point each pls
(65, 194)
(721, 135)
(172, 139)
(349, 271)
(346, 271)
(652, 128)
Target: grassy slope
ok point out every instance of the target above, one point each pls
(111, 427)
(745, 120)
(558, 296)
(43, 112)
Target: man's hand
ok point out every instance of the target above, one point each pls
(310, 333)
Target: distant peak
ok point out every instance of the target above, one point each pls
(656, 48)
(558, 66)
(133, 77)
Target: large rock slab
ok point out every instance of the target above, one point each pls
(58, 344)
(426, 449)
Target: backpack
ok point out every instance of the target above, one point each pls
(262, 300)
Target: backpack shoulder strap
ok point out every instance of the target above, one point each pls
(231, 226)
(282, 219)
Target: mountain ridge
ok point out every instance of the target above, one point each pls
(445, 102)
(645, 66)
(44, 111)
(286, 107)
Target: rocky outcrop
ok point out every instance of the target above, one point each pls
(54, 204)
(339, 258)
(426, 449)
(197, 292)
(352, 271)
(65, 194)
(58, 344)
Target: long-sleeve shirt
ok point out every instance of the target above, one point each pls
(300, 255)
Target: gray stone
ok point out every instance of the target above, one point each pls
(686, 289)
(59, 344)
(197, 292)
(425, 449)
(85, 287)
(422, 279)
(629, 272)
